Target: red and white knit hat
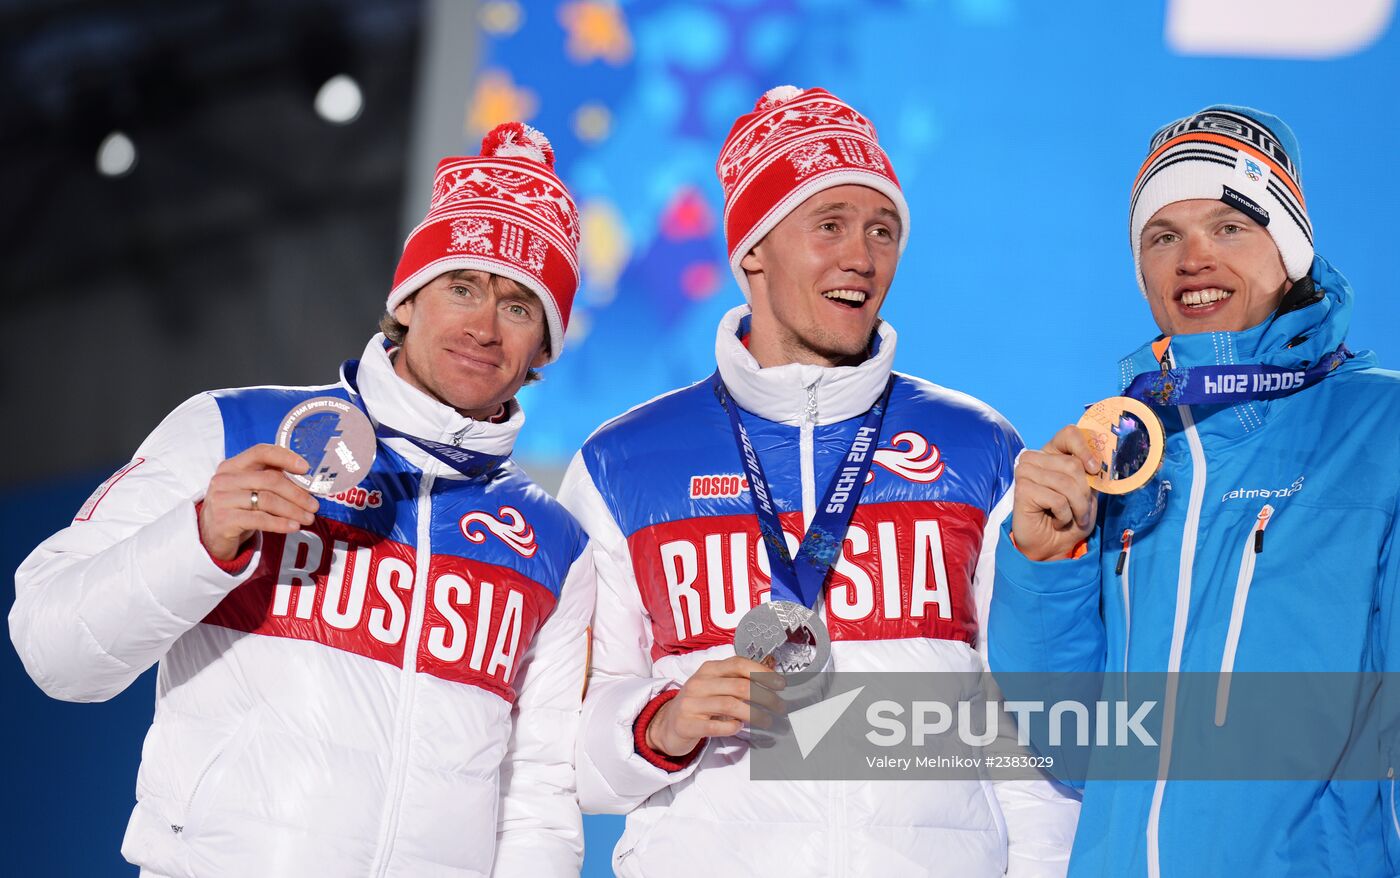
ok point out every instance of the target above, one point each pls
(503, 212)
(794, 144)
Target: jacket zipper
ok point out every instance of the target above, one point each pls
(1394, 818)
(1183, 606)
(1122, 571)
(808, 468)
(1253, 546)
(232, 747)
(178, 828)
(807, 451)
(398, 770)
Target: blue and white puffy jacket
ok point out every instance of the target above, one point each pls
(662, 494)
(390, 691)
(1319, 472)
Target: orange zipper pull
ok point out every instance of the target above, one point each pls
(1123, 555)
(1264, 515)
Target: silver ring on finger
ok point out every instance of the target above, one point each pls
(253, 500)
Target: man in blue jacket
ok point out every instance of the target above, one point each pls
(1178, 576)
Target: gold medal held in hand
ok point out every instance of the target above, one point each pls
(1127, 437)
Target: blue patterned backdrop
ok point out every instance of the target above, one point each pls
(1016, 127)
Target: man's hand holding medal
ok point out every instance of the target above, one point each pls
(1115, 448)
(324, 445)
(250, 492)
(719, 699)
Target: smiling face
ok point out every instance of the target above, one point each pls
(1209, 268)
(472, 339)
(819, 277)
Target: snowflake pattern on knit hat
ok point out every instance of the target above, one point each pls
(504, 212)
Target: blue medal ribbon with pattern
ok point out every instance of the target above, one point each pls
(800, 579)
(1227, 385)
(471, 464)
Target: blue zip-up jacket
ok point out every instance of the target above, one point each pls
(1319, 472)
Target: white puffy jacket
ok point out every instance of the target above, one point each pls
(662, 494)
(392, 691)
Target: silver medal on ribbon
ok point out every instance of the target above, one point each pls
(337, 440)
(786, 635)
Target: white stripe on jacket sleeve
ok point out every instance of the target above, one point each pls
(1040, 815)
(540, 831)
(612, 777)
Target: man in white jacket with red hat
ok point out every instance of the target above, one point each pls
(688, 497)
(384, 678)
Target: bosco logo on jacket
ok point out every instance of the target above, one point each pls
(805, 397)
(385, 679)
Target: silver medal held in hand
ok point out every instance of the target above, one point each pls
(335, 438)
(785, 635)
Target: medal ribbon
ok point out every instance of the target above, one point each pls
(1226, 385)
(800, 580)
(469, 463)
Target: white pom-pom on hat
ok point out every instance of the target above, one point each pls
(518, 140)
(777, 96)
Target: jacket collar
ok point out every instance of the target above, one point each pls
(1296, 339)
(398, 404)
(781, 393)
